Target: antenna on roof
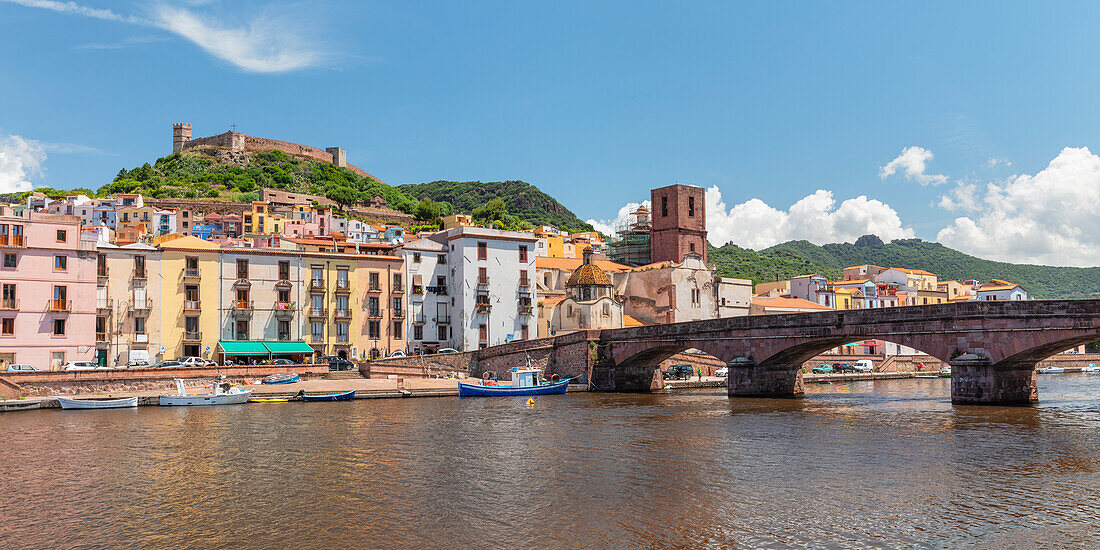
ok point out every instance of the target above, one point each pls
(233, 126)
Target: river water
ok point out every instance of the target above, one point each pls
(866, 464)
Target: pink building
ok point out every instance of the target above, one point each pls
(48, 284)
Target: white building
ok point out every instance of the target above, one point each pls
(734, 297)
(805, 287)
(493, 292)
(427, 272)
(998, 289)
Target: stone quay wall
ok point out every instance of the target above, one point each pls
(418, 366)
(33, 384)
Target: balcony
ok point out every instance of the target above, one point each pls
(60, 306)
(316, 284)
(397, 288)
(141, 339)
(440, 290)
(374, 314)
(139, 306)
(101, 275)
(284, 336)
(342, 312)
(524, 282)
(318, 312)
(341, 338)
(483, 281)
(482, 308)
(192, 336)
(317, 338)
(445, 319)
(9, 304)
(104, 306)
(285, 310)
(17, 241)
(100, 337)
(343, 285)
(191, 273)
(418, 290)
(398, 314)
(139, 276)
(418, 319)
(374, 289)
(192, 305)
(242, 309)
(526, 310)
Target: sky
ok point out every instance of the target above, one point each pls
(970, 124)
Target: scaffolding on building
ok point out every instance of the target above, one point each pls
(630, 244)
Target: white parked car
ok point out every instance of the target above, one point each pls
(192, 361)
(397, 353)
(21, 367)
(138, 364)
(82, 365)
(864, 365)
(722, 371)
(447, 350)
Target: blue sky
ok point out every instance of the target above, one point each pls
(783, 110)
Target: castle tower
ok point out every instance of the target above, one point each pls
(339, 156)
(679, 223)
(181, 134)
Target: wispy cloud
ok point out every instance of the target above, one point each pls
(124, 43)
(265, 43)
(73, 149)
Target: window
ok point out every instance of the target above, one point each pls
(342, 277)
(440, 280)
(441, 333)
(8, 297)
(139, 266)
(284, 296)
(397, 329)
(317, 330)
(372, 306)
(397, 303)
(284, 270)
(242, 330)
(284, 330)
(691, 247)
(691, 207)
(9, 260)
(60, 263)
(60, 292)
(242, 268)
(418, 332)
(62, 235)
(397, 282)
(482, 251)
(191, 324)
(441, 259)
(57, 358)
(523, 332)
(139, 325)
(482, 275)
(7, 326)
(374, 330)
(59, 327)
(664, 206)
(373, 281)
(341, 332)
(242, 297)
(523, 253)
(483, 332)
(416, 256)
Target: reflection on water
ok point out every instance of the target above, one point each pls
(866, 464)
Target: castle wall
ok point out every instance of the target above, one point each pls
(236, 141)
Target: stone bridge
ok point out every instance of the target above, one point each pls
(992, 346)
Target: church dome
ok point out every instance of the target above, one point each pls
(588, 274)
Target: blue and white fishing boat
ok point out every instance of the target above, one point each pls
(1052, 370)
(281, 378)
(525, 381)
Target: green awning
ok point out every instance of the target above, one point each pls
(236, 347)
(289, 347)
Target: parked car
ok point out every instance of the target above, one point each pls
(167, 365)
(864, 365)
(138, 364)
(448, 350)
(82, 365)
(192, 361)
(338, 363)
(679, 372)
(824, 368)
(398, 353)
(282, 362)
(844, 367)
(722, 371)
(21, 367)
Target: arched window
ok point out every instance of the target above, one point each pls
(587, 293)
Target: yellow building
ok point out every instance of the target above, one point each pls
(457, 220)
(261, 220)
(189, 300)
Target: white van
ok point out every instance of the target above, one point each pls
(864, 365)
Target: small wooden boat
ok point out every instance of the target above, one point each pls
(221, 393)
(525, 381)
(342, 396)
(281, 378)
(72, 403)
(933, 376)
(269, 400)
(1051, 370)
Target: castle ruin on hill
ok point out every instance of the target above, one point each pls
(239, 143)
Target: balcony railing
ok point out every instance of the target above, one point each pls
(444, 319)
(192, 305)
(397, 288)
(317, 338)
(9, 304)
(139, 275)
(104, 305)
(316, 284)
(439, 289)
(192, 336)
(140, 304)
(374, 288)
(242, 308)
(191, 273)
(317, 312)
(342, 312)
(398, 314)
(101, 272)
(284, 336)
(13, 240)
(418, 319)
(343, 285)
(342, 338)
(284, 309)
(417, 289)
(374, 314)
(482, 308)
(101, 337)
(141, 338)
(61, 306)
(526, 310)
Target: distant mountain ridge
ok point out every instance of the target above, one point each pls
(524, 201)
(793, 258)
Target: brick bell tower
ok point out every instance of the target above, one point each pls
(679, 223)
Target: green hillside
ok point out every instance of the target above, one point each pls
(193, 175)
(799, 257)
(524, 202)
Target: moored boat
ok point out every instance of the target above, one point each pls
(342, 396)
(269, 400)
(221, 393)
(1091, 369)
(525, 381)
(1052, 370)
(281, 378)
(945, 371)
(73, 403)
(926, 376)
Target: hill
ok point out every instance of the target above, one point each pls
(524, 202)
(194, 174)
(799, 257)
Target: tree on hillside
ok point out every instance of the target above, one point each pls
(427, 210)
(493, 210)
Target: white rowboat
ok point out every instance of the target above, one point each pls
(70, 403)
(221, 393)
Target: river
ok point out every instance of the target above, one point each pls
(865, 464)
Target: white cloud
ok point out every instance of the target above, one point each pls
(816, 218)
(266, 43)
(993, 162)
(963, 197)
(20, 158)
(1047, 218)
(912, 163)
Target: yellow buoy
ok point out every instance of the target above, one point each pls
(530, 401)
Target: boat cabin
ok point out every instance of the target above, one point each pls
(525, 378)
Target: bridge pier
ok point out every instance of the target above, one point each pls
(977, 381)
(747, 379)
